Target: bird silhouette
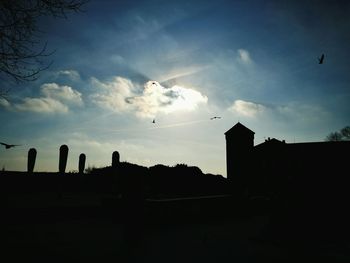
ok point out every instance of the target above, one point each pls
(154, 121)
(8, 146)
(320, 60)
(215, 117)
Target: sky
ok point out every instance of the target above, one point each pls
(118, 65)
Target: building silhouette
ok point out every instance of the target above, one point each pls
(314, 169)
(239, 147)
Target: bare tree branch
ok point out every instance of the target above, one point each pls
(22, 54)
(345, 132)
(342, 135)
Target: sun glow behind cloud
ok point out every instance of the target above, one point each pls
(122, 95)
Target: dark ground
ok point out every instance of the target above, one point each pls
(203, 232)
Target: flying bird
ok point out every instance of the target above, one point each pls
(215, 117)
(8, 146)
(320, 60)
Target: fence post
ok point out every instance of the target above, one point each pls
(31, 160)
(115, 159)
(63, 158)
(82, 159)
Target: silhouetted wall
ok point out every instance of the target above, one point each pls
(311, 172)
(239, 146)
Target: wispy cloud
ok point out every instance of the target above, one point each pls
(4, 103)
(182, 72)
(122, 95)
(41, 105)
(55, 99)
(302, 112)
(293, 111)
(244, 56)
(247, 108)
(118, 59)
(70, 73)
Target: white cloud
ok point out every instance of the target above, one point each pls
(186, 99)
(246, 108)
(244, 56)
(54, 100)
(41, 105)
(72, 74)
(122, 95)
(63, 93)
(4, 103)
(118, 59)
(113, 94)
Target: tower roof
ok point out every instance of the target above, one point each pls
(239, 128)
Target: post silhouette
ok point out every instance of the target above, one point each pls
(82, 159)
(63, 158)
(31, 160)
(115, 159)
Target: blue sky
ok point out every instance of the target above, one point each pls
(119, 65)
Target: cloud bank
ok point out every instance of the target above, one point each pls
(293, 111)
(55, 99)
(122, 95)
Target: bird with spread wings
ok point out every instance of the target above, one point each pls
(8, 146)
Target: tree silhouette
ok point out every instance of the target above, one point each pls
(345, 132)
(22, 52)
(342, 135)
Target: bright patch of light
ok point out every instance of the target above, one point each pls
(152, 99)
(246, 108)
(188, 99)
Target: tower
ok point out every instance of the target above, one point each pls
(239, 145)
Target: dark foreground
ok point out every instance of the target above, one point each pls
(210, 230)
